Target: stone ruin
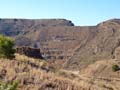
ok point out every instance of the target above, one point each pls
(29, 51)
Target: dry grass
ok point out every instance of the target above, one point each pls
(32, 74)
(33, 77)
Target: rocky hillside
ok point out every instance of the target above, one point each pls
(32, 74)
(102, 46)
(37, 74)
(13, 27)
(60, 40)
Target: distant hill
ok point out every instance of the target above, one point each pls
(60, 40)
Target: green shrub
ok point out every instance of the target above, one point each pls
(6, 47)
(115, 68)
(9, 86)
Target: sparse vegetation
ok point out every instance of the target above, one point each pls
(31, 77)
(115, 67)
(9, 86)
(6, 47)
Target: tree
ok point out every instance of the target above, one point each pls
(6, 47)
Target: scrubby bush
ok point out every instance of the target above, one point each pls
(9, 86)
(6, 47)
(115, 68)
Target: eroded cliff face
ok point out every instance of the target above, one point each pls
(60, 40)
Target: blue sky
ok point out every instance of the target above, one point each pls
(81, 12)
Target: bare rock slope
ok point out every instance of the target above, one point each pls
(59, 39)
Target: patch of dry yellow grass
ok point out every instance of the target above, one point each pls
(32, 77)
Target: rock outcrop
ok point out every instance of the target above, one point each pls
(30, 52)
